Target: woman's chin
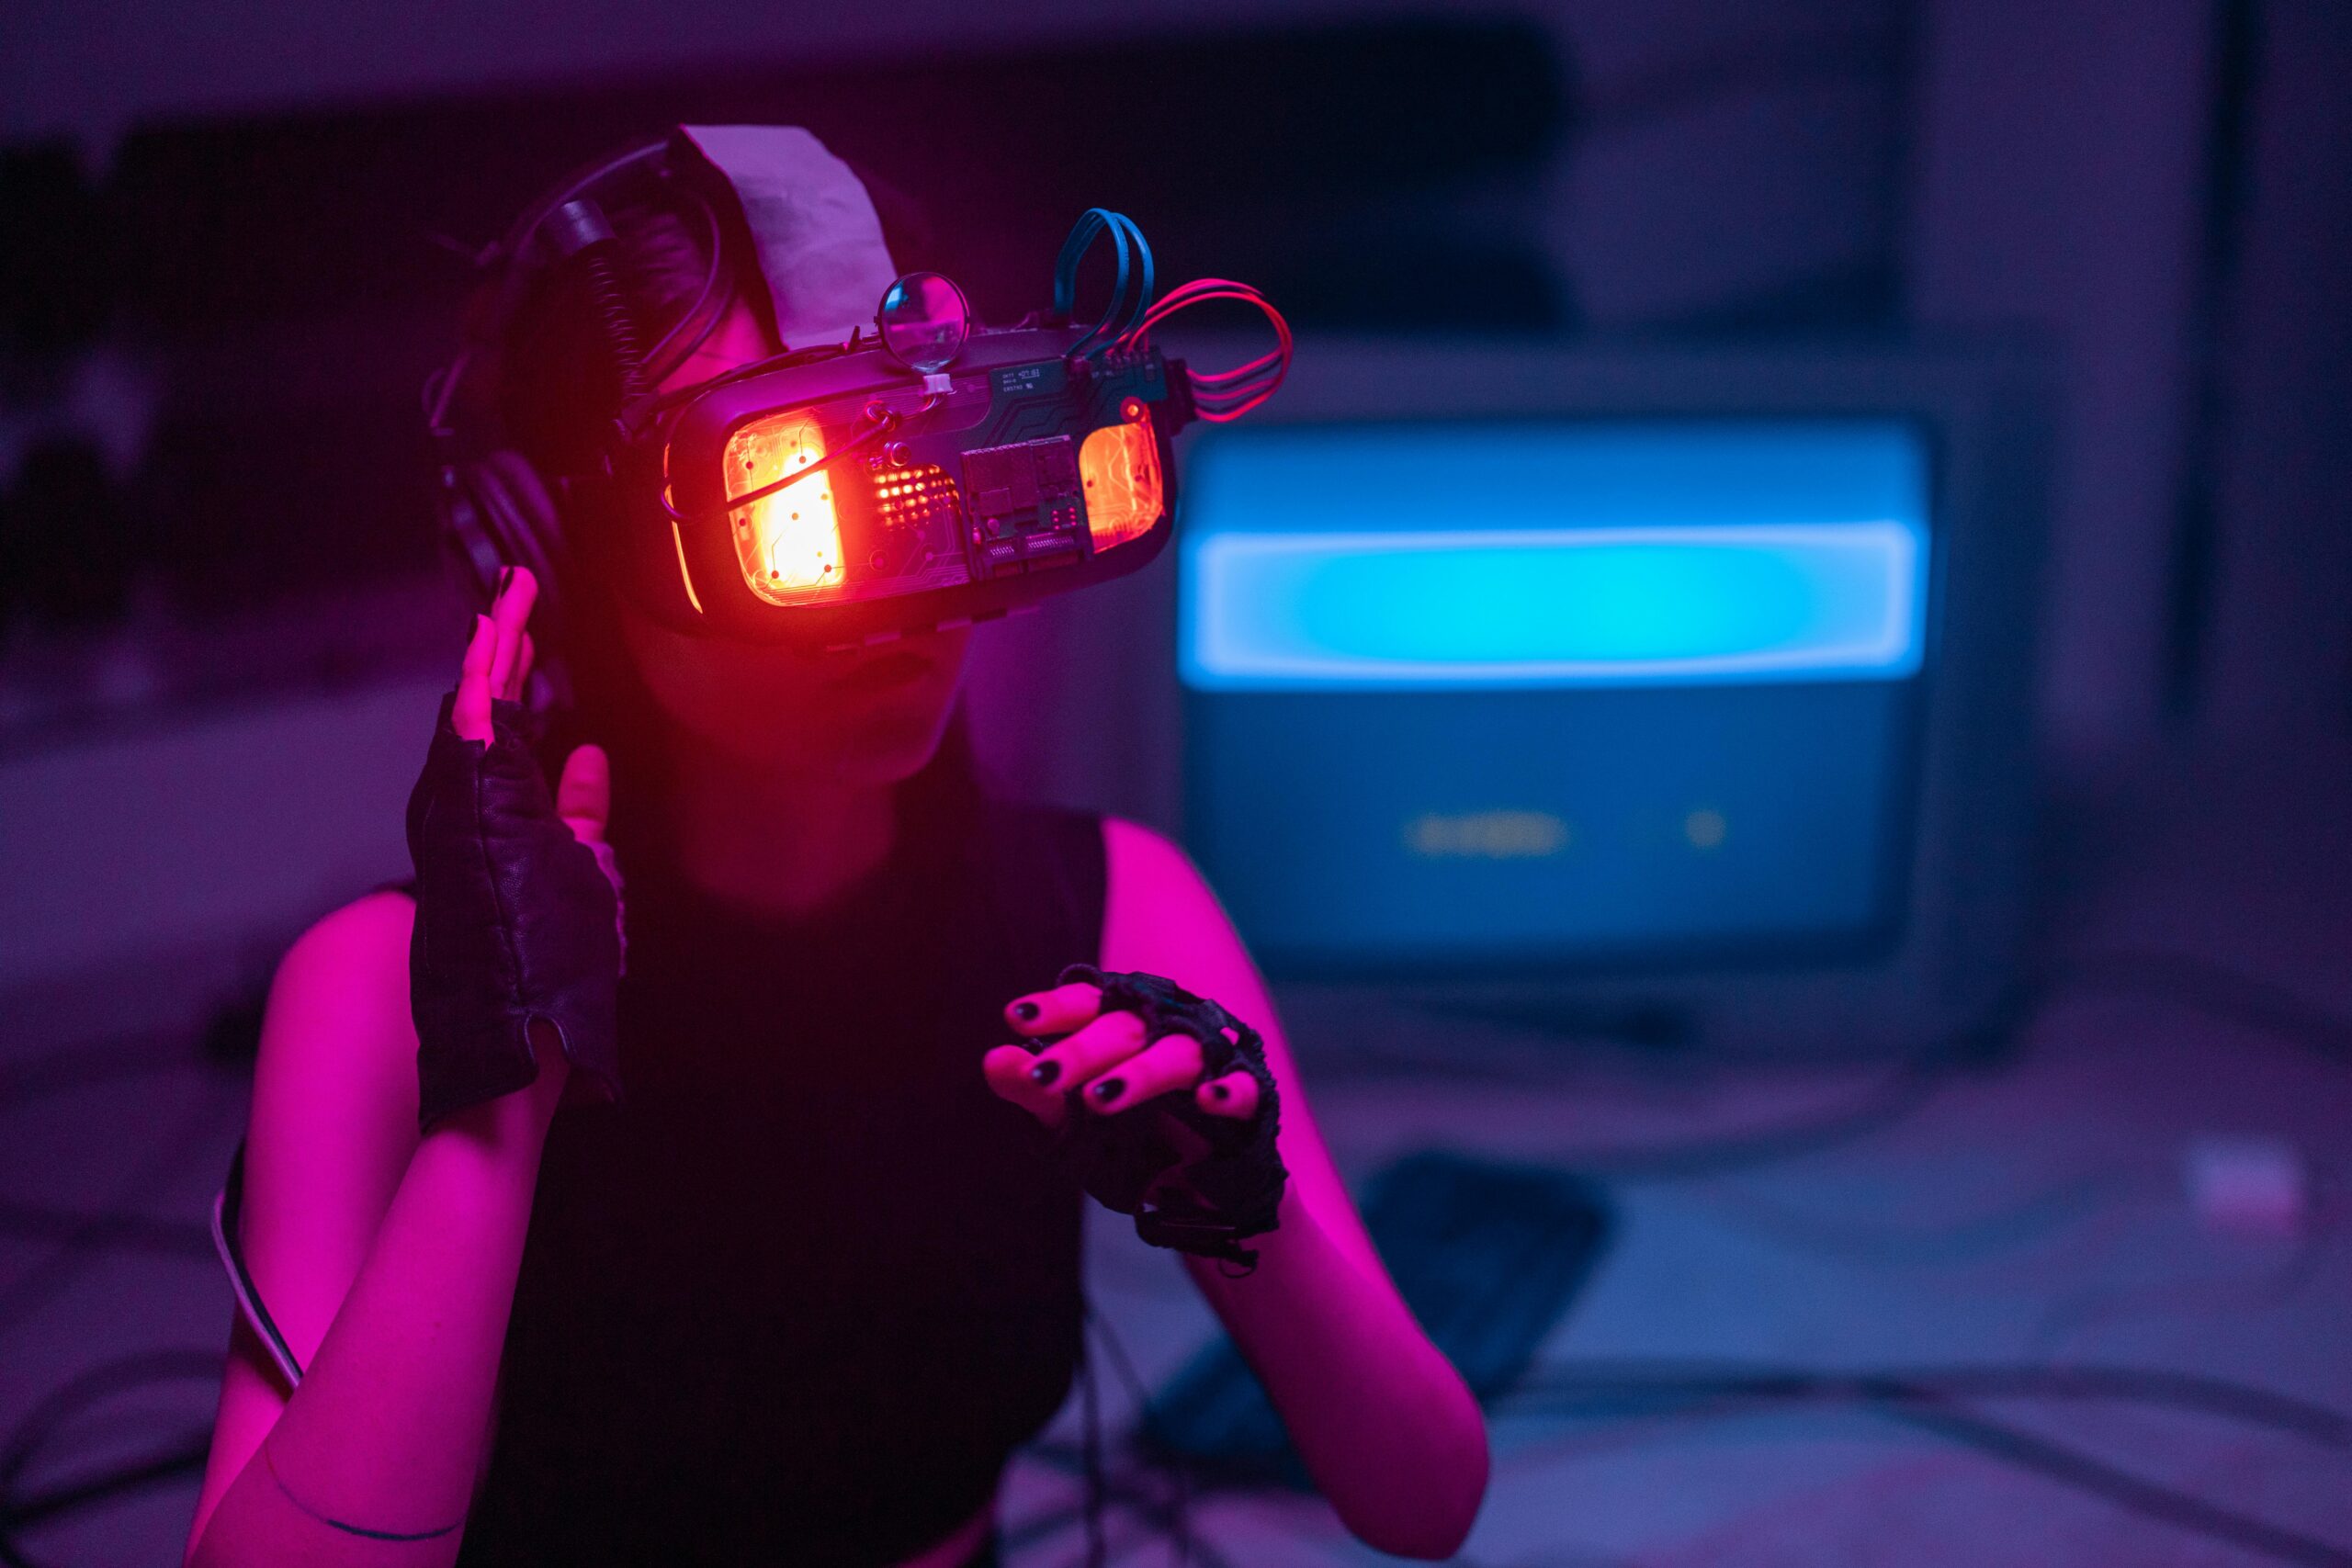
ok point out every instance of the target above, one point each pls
(891, 755)
(874, 743)
(870, 719)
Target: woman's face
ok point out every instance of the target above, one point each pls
(870, 716)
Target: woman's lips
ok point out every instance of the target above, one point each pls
(883, 673)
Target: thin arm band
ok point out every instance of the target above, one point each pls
(337, 1524)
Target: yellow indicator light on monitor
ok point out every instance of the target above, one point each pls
(790, 544)
(1120, 466)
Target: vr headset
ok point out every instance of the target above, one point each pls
(897, 467)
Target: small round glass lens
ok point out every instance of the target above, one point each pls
(924, 320)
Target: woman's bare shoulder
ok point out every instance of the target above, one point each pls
(350, 969)
(369, 929)
(1159, 912)
(336, 1077)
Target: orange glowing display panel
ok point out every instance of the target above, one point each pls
(790, 544)
(1120, 465)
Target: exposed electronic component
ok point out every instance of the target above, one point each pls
(1027, 507)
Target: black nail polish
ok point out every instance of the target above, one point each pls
(1109, 1090)
(506, 576)
(1026, 1011)
(1045, 1072)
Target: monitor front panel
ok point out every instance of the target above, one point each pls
(1500, 695)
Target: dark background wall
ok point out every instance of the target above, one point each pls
(2145, 185)
(233, 240)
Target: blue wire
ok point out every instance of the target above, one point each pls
(1081, 239)
(1143, 295)
(1081, 234)
(1122, 229)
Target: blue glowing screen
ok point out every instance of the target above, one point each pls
(1568, 555)
(1529, 694)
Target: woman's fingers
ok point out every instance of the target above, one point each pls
(584, 796)
(509, 612)
(470, 714)
(1111, 1076)
(1056, 1011)
(1234, 1095)
(522, 671)
(498, 657)
(1087, 1054)
(1007, 1071)
(1171, 1062)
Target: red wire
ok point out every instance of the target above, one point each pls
(1196, 292)
(1241, 372)
(1222, 396)
(1222, 414)
(1221, 392)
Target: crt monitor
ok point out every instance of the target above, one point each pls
(1672, 695)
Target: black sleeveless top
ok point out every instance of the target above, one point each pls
(798, 1297)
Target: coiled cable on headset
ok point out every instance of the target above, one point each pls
(583, 235)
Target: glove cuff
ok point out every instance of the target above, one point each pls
(1234, 1192)
(515, 922)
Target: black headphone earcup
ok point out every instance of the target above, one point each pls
(496, 514)
(522, 516)
(466, 533)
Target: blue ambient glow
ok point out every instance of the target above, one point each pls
(1573, 555)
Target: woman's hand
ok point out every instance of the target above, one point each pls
(516, 951)
(1104, 1063)
(497, 664)
(1180, 1111)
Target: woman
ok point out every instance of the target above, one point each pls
(800, 1295)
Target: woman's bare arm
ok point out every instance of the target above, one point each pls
(390, 1269)
(1384, 1422)
(387, 1259)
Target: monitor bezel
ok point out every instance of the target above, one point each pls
(1951, 955)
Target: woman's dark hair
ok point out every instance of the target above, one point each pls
(552, 389)
(553, 374)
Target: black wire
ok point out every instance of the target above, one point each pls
(23, 1295)
(2211, 988)
(1923, 1405)
(2247, 1403)
(2164, 1503)
(184, 1457)
(60, 1405)
(139, 1370)
(1923, 1397)
(2151, 1499)
(877, 426)
(1920, 1396)
(1181, 1533)
(1097, 1547)
(655, 369)
(75, 1235)
(1117, 1491)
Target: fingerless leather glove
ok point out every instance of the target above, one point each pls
(515, 922)
(1129, 1163)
